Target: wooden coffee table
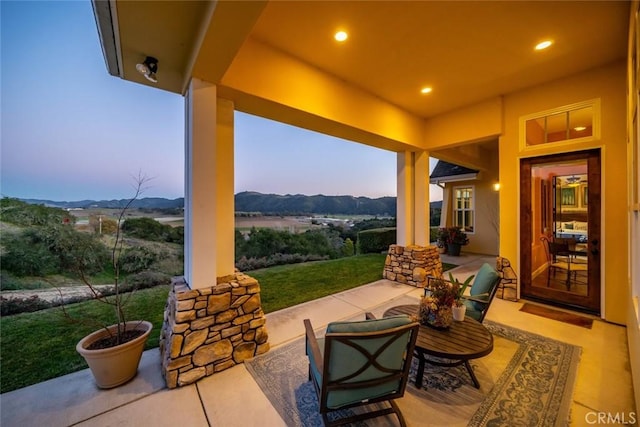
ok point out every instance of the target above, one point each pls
(460, 343)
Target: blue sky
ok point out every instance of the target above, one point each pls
(70, 131)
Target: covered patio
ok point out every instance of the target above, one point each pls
(233, 398)
(277, 60)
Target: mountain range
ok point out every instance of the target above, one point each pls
(254, 202)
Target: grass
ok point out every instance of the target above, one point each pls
(42, 345)
(287, 285)
(38, 346)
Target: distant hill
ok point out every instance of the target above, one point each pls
(147, 203)
(269, 204)
(250, 201)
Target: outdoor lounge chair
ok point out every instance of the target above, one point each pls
(361, 363)
(483, 289)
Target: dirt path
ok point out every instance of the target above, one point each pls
(51, 295)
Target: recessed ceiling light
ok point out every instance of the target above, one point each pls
(543, 45)
(425, 90)
(341, 36)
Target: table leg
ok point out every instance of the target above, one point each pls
(420, 373)
(472, 374)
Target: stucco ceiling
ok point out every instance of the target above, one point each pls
(466, 51)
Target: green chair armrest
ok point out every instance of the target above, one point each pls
(312, 345)
(480, 298)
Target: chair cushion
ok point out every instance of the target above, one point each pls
(472, 311)
(344, 360)
(484, 283)
(369, 325)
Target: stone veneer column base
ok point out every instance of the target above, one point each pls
(412, 264)
(208, 330)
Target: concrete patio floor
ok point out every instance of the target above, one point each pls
(232, 398)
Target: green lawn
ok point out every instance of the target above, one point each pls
(287, 285)
(38, 346)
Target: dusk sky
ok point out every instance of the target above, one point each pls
(70, 131)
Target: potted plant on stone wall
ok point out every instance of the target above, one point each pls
(113, 352)
(455, 240)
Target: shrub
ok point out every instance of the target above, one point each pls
(136, 259)
(348, 248)
(146, 279)
(39, 251)
(376, 240)
(25, 255)
(247, 264)
(146, 228)
(8, 282)
(102, 225)
(17, 212)
(434, 234)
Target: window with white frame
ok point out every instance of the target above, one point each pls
(463, 210)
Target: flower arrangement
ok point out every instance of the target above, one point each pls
(435, 306)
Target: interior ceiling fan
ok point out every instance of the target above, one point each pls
(575, 180)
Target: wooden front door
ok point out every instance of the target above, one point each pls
(560, 208)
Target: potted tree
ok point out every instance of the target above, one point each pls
(113, 352)
(456, 238)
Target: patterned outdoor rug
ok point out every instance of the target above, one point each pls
(527, 380)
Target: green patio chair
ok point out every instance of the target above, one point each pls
(481, 293)
(361, 363)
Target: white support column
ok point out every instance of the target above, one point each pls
(422, 213)
(412, 213)
(405, 199)
(446, 206)
(209, 186)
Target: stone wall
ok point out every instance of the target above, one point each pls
(211, 329)
(412, 264)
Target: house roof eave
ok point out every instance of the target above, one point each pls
(454, 178)
(106, 24)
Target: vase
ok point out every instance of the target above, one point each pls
(459, 312)
(434, 315)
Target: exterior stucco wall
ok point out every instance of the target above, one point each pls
(607, 84)
(485, 237)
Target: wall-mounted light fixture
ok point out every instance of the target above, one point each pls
(149, 68)
(496, 186)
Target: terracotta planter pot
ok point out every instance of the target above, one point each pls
(116, 365)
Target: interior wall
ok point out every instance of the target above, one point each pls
(607, 84)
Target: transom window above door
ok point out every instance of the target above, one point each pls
(574, 122)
